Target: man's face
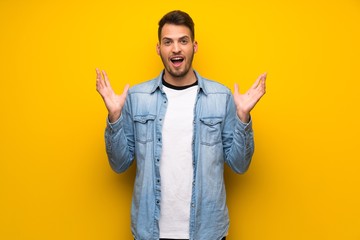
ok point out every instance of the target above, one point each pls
(176, 49)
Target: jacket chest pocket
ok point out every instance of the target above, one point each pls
(144, 128)
(210, 130)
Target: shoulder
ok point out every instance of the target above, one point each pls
(213, 87)
(210, 86)
(144, 87)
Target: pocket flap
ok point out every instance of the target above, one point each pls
(144, 118)
(211, 121)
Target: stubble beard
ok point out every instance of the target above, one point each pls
(177, 74)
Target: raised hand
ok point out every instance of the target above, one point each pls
(246, 102)
(113, 102)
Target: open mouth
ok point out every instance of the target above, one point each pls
(177, 60)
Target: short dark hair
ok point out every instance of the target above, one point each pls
(177, 17)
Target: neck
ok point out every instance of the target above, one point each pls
(186, 80)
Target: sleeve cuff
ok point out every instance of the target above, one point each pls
(244, 126)
(115, 126)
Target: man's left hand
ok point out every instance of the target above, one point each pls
(246, 102)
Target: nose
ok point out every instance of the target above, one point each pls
(176, 48)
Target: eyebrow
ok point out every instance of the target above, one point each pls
(171, 39)
(184, 37)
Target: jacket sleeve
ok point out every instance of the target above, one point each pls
(238, 140)
(119, 140)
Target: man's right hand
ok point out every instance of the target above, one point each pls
(113, 102)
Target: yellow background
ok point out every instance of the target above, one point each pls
(55, 182)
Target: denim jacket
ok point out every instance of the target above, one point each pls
(219, 137)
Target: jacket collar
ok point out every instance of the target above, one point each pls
(158, 83)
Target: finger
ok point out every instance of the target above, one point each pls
(260, 79)
(99, 81)
(256, 83)
(263, 77)
(263, 81)
(236, 88)
(125, 92)
(106, 79)
(126, 88)
(98, 74)
(261, 89)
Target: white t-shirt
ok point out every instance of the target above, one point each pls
(176, 169)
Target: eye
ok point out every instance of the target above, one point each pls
(167, 42)
(184, 41)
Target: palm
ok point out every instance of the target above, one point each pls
(113, 102)
(246, 102)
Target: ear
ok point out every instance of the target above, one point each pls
(158, 48)
(195, 46)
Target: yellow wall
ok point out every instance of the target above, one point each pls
(55, 182)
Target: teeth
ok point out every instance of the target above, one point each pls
(176, 59)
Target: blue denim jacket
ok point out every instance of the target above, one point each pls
(219, 137)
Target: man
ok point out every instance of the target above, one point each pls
(181, 128)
